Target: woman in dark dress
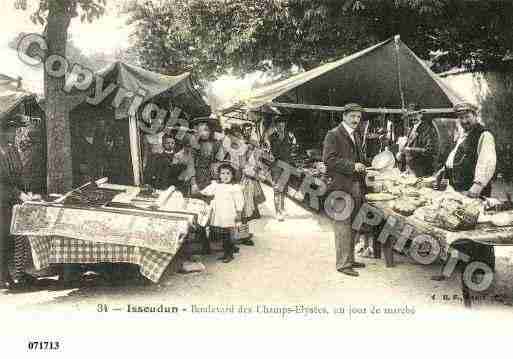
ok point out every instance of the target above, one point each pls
(207, 150)
(281, 147)
(163, 169)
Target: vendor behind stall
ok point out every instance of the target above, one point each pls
(165, 169)
(88, 151)
(118, 167)
(470, 167)
(416, 153)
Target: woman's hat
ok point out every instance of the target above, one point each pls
(234, 130)
(226, 164)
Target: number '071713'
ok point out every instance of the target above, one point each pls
(43, 345)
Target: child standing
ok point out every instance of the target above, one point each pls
(227, 206)
(252, 192)
(242, 159)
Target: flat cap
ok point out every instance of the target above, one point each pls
(352, 107)
(464, 107)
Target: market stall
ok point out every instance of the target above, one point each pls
(123, 224)
(102, 222)
(117, 144)
(454, 221)
(384, 79)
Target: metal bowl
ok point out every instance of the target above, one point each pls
(383, 161)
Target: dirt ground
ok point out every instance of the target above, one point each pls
(293, 262)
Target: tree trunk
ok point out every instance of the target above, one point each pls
(59, 174)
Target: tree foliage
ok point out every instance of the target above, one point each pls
(164, 41)
(88, 10)
(214, 37)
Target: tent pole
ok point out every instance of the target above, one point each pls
(397, 38)
(135, 149)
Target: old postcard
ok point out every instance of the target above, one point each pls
(252, 177)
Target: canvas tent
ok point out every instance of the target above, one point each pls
(10, 101)
(165, 91)
(383, 78)
(178, 89)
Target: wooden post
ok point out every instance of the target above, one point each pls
(398, 111)
(135, 150)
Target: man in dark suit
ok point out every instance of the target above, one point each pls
(344, 159)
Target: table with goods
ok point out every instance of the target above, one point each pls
(454, 220)
(109, 223)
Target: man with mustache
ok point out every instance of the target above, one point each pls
(417, 151)
(344, 159)
(470, 167)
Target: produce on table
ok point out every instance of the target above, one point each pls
(411, 192)
(404, 207)
(502, 219)
(447, 209)
(426, 213)
(373, 197)
(453, 214)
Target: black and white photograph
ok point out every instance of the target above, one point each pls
(230, 177)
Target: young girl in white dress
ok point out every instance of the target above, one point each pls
(227, 206)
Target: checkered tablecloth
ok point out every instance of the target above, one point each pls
(66, 234)
(61, 250)
(159, 231)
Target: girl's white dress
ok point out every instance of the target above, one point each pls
(228, 200)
